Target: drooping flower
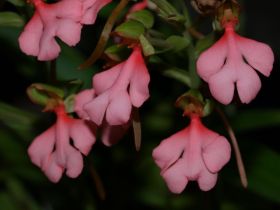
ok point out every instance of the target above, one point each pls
(110, 134)
(233, 60)
(118, 89)
(91, 8)
(61, 19)
(193, 154)
(53, 152)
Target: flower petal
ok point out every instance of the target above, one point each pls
(42, 146)
(81, 99)
(29, 39)
(83, 134)
(119, 109)
(222, 85)
(49, 49)
(212, 60)
(91, 9)
(52, 170)
(139, 90)
(69, 31)
(248, 83)
(216, 154)
(74, 164)
(207, 180)
(104, 80)
(175, 178)
(170, 149)
(97, 107)
(258, 55)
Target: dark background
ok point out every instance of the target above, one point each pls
(131, 179)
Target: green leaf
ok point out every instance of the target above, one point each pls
(178, 74)
(67, 64)
(116, 52)
(131, 29)
(178, 43)
(7, 202)
(143, 16)
(11, 19)
(148, 49)
(18, 3)
(256, 119)
(17, 119)
(264, 172)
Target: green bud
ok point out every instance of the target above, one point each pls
(41, 93)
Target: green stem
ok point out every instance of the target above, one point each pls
(105, 34)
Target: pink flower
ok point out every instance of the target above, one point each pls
(110, 134)
(61, 19)
(91, 8)
(194, 153)
(234, 59)
(53, 152)
(118, 89)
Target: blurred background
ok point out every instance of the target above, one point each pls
(128, 179)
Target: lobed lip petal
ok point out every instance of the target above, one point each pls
(52, 170)
(222, 85)
(248, 83)
(175, 177)
(74, 164)
(119, 109)
(207, 180)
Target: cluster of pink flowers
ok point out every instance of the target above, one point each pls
(192, 154)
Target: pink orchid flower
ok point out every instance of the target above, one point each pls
(53, 152)
(234, 59)
(61, 19)
(118, 89)
(91, 9)
(194, 153)
(110, 134)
